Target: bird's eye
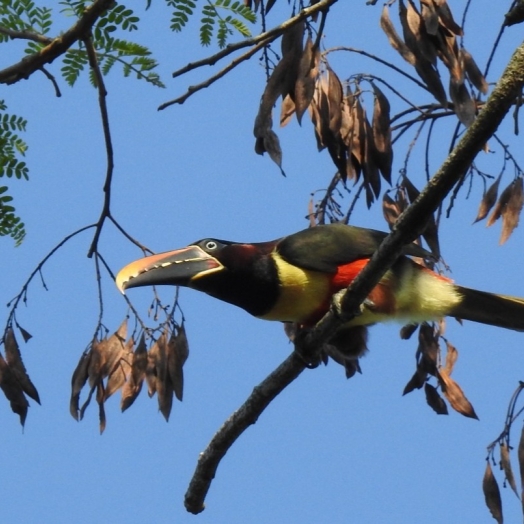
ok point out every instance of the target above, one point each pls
(211, 245)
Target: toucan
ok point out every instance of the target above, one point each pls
(294, 278)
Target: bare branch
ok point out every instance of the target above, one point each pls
(13, 303)
(25, 35)
(191, 90)
(377, 59)
(53, 81)
(267, 37)
(102, 93)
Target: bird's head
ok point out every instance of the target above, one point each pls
(241, 274)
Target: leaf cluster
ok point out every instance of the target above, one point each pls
(212, 19)
(11, 148)
(118, 363)
(14, 380)
(490, 486)
(430, 35)
(24, 15)
(134, 58)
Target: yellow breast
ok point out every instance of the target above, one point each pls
(302, 292)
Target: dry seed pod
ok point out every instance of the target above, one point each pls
(463, 105)
(78, 381)
(428, 348)
(508, 206)
(455, 396)
(164, 387)
(415, 34)
(505, 464)
(511, 211)
(390, 210)
(25, 334)
(280, 83)
(306, 76)
(178, 351)
(473, 72)
(416, 381)
(451, 358)
(121, 369)
(381, 126)
(150, 376)
(492, 494)
(434, 400)
(13, 391)
(488, 200)
(429, 14)
(520, 455)
(101, 410)
(394, 39)
(136, 376)
(446, 18)
(16, 365)
(287, 109)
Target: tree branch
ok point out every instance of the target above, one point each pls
(102, 93)
(25, 35)
(409, 225)
(268, 36)
(14, 302)
(59, 45)
(191, 90)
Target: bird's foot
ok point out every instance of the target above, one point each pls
(310, 357)
(367, 305)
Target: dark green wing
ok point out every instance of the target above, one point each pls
(324, 248)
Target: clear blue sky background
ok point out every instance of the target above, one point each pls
(327, 450)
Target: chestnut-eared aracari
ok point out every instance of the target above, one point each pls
(293, 279)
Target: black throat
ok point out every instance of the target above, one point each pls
(249, 279)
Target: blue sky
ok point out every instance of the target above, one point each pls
(327, 449)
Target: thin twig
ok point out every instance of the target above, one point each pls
(25, 35)
(191, 90)
(102, 93)
(377, 59)
(129, 237)
(130, 305)
(100, 295)
(272, 34)
(13, 303)
(53, 81)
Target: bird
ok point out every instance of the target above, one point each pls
(293, 279)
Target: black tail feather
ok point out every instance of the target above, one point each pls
(488, 308)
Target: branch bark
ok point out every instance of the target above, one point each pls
(59, 45)
(408, 227)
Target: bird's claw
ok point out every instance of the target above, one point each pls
(367, 305)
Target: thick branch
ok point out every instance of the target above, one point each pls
(29, 64)
(410, 225)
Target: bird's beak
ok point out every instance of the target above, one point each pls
(176, 268)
